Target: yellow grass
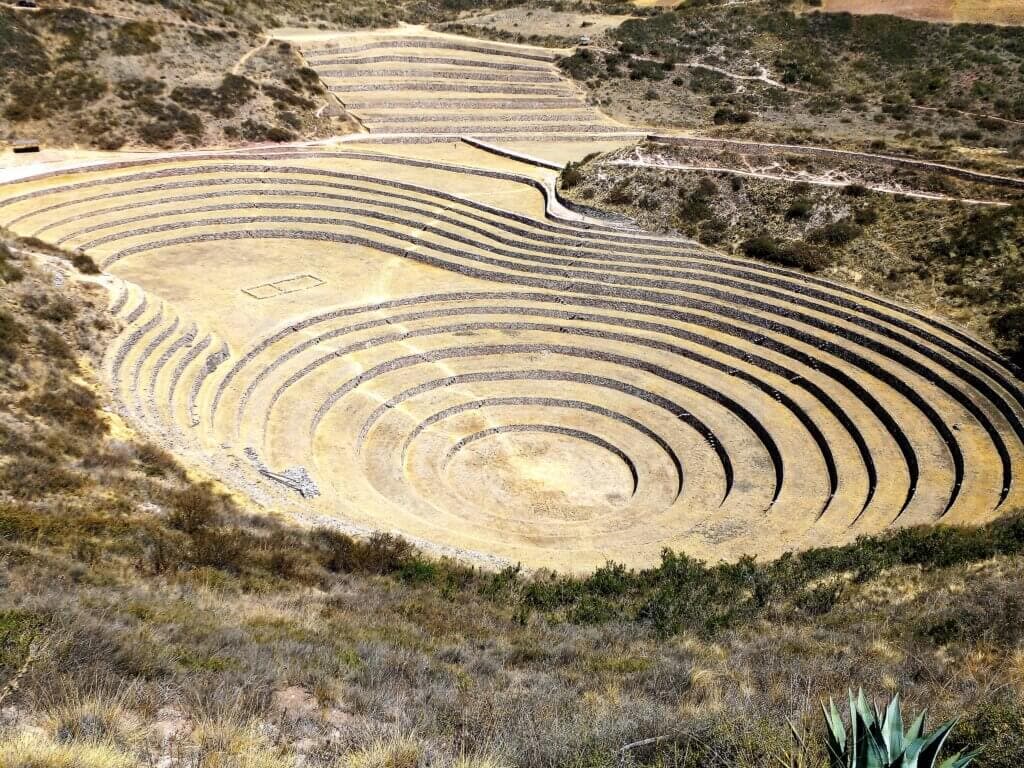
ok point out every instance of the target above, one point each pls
(31, 749)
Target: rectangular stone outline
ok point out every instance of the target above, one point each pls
(283, 286)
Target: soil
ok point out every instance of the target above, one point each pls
(1008, 12)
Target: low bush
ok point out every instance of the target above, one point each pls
(193, 510)
(9, 272)
(1009, 329)
(620, 194)
(571, 176)
(233, 91)
(254, 130)
(12, 333)
(800, 208)
(837, 233)
(69, 404)
(26, 477)
(997, 724)
(135, 38)
(236, 89)
(866, 215)
(382, 554)
(582, 65)
(730, 116)
(84, 263)
(796, 254)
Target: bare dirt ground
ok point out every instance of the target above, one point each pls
(1010, 12)
(544, 22)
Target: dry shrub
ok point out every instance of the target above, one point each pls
(12, 334)
(26, 477)
(383, 553)
(194, 509)
(67, 405)
(157, 462)
(83, 263)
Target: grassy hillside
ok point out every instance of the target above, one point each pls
(171, 74)
(758, 69)
(71, 76)
(148, 619)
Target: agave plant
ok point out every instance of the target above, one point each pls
(877, 740)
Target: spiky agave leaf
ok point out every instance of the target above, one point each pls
(924, 751)
(857, 735)
(892, 729)
(871, 751)
(960, 760)
(835, 735)
(876, 738)
(916, 728)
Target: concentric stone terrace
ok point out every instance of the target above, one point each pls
(431, 344)
(434, 85)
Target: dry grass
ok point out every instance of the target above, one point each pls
(183, 632)
(35, 750)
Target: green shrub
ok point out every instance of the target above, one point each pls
(795, 254)
(382, 554)
(157, 462)
(819, 599)
(53, 346)
(58, 309)
(83, 263)
(571, 176)
(696, 204)
(800, 208)
(253, 130)
(1009, 330)
(582, 65)
(620, 194)
(236, 89)
(866, 215)
(997, 725)
(158, 133)
(133, 88)
(224, 548)
(837, 233)
(18, 629)
(67, 404)
(710, 81)
(200, 97)
(727, 115)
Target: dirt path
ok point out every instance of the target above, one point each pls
(805, 178)
(240, 64)
(120, 16)
(764, 77)
(827, 152)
